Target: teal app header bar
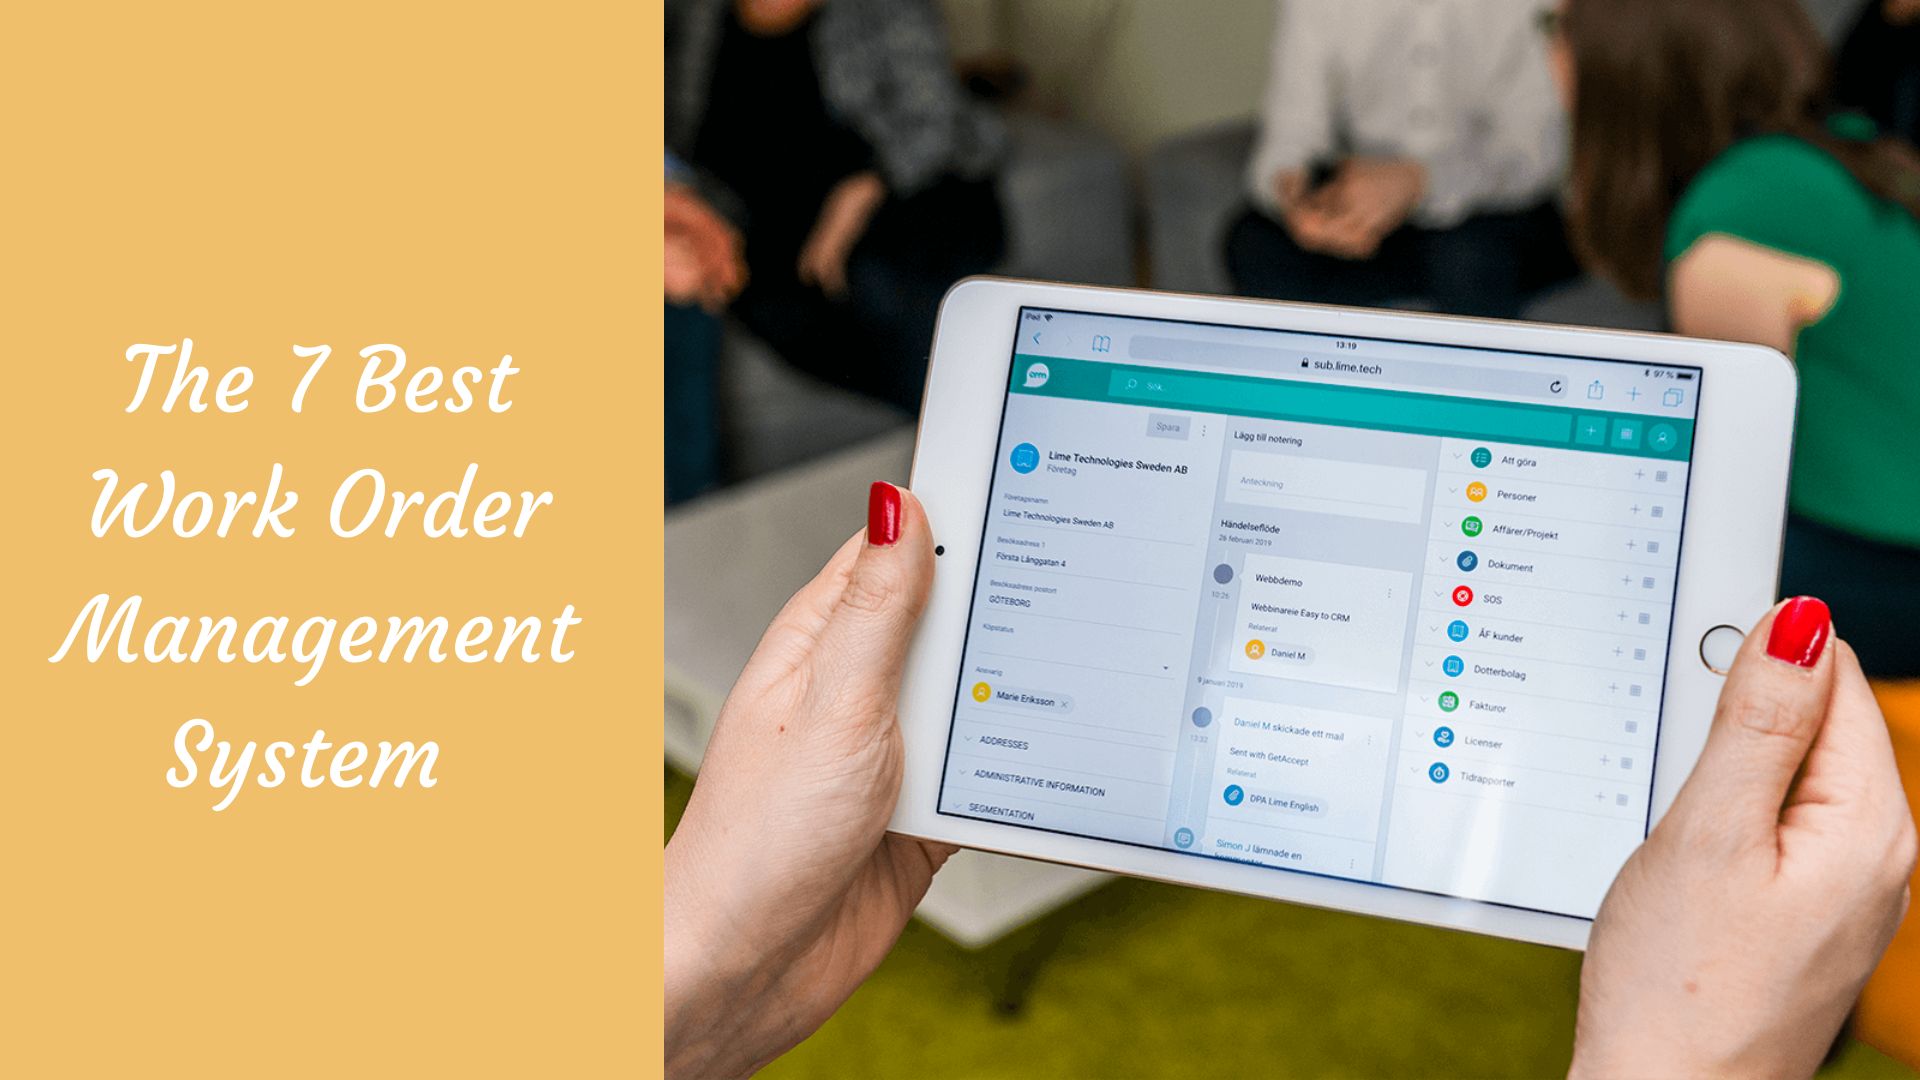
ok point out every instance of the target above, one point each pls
(1595, 431)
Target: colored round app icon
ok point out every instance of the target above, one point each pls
(1471, 526)
(1482, 457)
(1234, 795)
(1462, 596)
(1256, 649)
(1453, 666)
(1476, 491)
(1449, 701)
(1183, 838)
(1443, 736)
(1467, 561)
(1457, 630)
(1438, 772)
(981, 691)
(1025, 458)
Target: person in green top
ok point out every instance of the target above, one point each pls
(1709, 167)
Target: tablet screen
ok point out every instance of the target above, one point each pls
(1377, 610)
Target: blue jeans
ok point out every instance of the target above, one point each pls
(692, 402)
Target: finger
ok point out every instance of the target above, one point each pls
(1851, 765)
(863, 648)
(815, 601)
(1774, 702)
(793, 633)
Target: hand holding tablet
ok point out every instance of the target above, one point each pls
(1736, 940)
(783, 892)
(784, 889)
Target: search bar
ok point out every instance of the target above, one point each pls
(1395, 372)
(1350, 406)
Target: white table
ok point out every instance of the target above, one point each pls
(732, 560)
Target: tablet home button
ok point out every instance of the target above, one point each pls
(1718, 647)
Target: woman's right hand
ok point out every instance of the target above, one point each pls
(1736, 939)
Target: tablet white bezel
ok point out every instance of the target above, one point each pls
(1729, 561)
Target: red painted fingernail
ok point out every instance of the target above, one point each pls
(883, 514)
(1800, 631)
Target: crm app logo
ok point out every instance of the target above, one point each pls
(1025, 458)
(1037, 376)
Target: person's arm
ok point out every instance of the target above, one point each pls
(1756, 245)
(842, 221)
(901, 94)
(1296, 114)
(783, 888)
(1736, 938)
(1514, 153)
(1735, 290)
(891, 75)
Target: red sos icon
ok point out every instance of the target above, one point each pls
(1462, 596)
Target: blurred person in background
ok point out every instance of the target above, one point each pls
(1878, 71)
(1710, 164)
(1408, 149)
(861, 172)
(704, 271)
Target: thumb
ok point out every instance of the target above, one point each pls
(1771, 708)
(864, 644)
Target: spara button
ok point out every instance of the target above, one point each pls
(1719, 646)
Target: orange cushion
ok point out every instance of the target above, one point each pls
(1889, 1014)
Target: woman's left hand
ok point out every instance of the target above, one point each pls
(843, 220)
(705, 260)
(784, 889)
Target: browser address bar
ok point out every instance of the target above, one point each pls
(1352, 369)
(1311, 403)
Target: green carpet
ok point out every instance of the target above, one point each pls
(1150, 980)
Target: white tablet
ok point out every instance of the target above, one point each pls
(1391, 613)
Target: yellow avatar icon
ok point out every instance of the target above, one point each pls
(981, 691)
(1256, 649)
(1476, 491)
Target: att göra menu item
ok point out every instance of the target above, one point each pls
(1390, 612)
